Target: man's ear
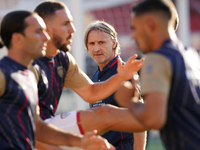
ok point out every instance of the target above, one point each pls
(151, 24)
(17, 39)
(114, 43)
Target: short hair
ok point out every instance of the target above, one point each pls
(167, 7)
(13, 22)
(105, 27)
(47, 9)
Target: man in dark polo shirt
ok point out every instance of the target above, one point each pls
(102, 44)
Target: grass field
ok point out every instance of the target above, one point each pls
(154, 142)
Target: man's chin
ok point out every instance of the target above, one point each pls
(42, 54)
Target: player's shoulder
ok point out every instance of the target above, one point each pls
(153, 57)
(155, 60)
(63, 56)
(72, 61)
(69, 55)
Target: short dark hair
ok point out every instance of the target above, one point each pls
(13, 22)
(47, 9)
(165, 6)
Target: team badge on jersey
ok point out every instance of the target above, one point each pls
(60, 71)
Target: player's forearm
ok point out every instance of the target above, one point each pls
(43, 146)
(140, 140)
(149, 119)
(104, 89)
(51, 135)
(152, 114)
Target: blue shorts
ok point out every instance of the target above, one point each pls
(124, 146)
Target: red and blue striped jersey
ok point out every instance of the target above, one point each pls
(18, 101)
(52, 72)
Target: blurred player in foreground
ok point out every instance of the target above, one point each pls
(170, 78)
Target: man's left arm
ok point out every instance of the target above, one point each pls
(140, 140)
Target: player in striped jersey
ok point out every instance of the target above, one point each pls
(24, 34)
(59, 70)
(170, 78)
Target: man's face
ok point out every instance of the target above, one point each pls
(139, 34)
(101, 47)
(62, 30)
(35, 37)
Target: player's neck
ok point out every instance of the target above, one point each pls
(102, 65)
(51, 50)
(161, 37)
(20, 58)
